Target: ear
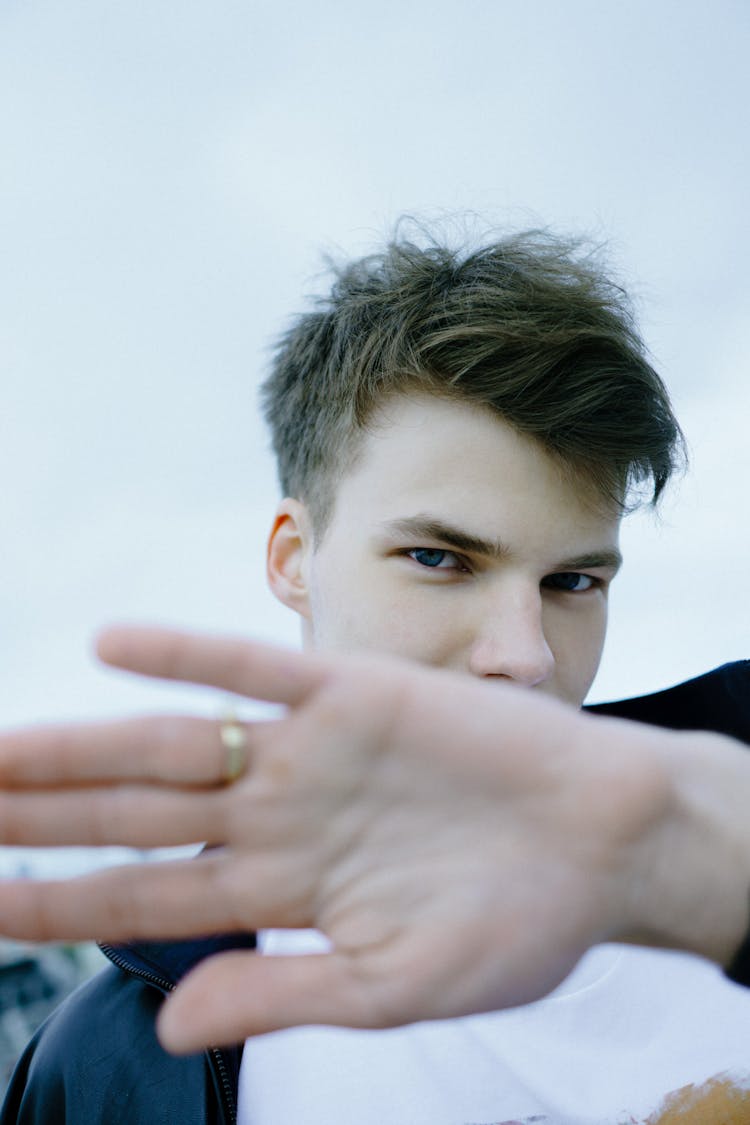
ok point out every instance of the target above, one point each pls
(290, 545)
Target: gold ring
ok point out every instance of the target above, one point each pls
(233, 735)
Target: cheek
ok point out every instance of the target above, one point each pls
(357, 614)
(423, 628)
(360, 603)
(389, 625)
(577, 640)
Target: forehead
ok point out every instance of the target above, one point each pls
(461, 462)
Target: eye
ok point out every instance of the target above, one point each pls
(435, 559)
(570, 582)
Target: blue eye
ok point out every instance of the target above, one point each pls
(570, 581)
(429, 556)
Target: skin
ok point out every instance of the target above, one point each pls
(458, 543)
(480, 832)
(477, 839)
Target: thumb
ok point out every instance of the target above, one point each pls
(232, 996)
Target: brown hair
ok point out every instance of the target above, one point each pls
(529, 326)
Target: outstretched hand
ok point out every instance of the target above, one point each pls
(461, 845)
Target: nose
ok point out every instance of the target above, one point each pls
(510, 641)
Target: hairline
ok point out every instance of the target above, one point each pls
(328, 482)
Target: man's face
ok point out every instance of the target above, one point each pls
(460, 544)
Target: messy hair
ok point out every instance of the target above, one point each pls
(529, 326)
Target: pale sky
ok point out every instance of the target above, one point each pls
(169, 175)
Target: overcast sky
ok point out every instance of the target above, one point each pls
(169, 174)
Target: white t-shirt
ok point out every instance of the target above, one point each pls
(631, 1037)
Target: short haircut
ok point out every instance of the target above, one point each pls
(529, 326)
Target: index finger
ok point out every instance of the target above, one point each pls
(259, 671)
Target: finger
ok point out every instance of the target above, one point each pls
(235, 995)
(256, 670)
(134, 816)
(173, 750)
(167, 900)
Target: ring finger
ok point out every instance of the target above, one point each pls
(159, 750)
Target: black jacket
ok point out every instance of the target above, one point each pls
(96, 1061)
(97, 1058)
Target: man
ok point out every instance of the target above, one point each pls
(458, 439)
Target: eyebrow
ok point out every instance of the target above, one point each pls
(429, 527)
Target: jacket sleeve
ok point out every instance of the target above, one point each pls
(97, 1061)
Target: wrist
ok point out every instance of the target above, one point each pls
(688, 875)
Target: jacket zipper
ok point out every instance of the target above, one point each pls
(168, 986)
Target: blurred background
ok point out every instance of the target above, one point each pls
(170, 175)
